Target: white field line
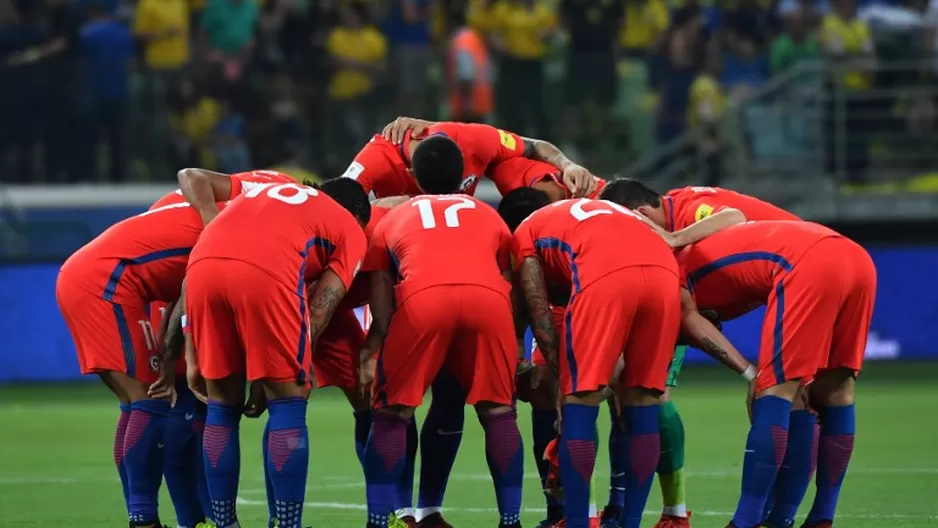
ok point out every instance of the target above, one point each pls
(488, 511)
(329, 481)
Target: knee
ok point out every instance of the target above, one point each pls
(488, 409)
(833, 389)
(401, 412)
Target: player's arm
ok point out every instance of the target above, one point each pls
(171, 327)
(705, 336)
(203, 188)
(326, 295)
(381, 304)
(534, 289)
(706, 227)
(578, 180)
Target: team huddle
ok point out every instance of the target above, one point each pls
(237, 295)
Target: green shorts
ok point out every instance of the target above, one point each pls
(675, 367)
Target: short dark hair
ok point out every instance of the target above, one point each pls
(630, 193)
(350, 195)
(519, 204)
(437, 165)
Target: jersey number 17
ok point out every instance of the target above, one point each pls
(450, 216)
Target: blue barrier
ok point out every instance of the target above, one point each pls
(38, 347)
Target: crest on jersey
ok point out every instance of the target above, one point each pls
(154, 363)
(703, 212)
(468, 182)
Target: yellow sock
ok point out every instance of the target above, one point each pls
(672, 493)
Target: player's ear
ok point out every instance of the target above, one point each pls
(645, 210)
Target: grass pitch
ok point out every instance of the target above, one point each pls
(56, 468)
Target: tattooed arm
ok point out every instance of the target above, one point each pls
(579, 181)
(534, 289)
(326, 294)
(705, 336)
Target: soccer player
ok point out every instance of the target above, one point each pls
(445, 258)
(386, 166)
(246, 301)
(692, 213)
(819, 288)
(182, 445)
(624, 302)
(103, 291)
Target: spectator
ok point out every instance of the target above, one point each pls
(848, 46)
(795, 44)
(468, 74)
(228, 27)
(22, 92)
(593, 26)
(109, 50)
(194, 116)
(231, 150)
(522, 30)
(704, 115)
(408, 32)
(65, 76)
(359, 52)
(642, 34)
(162, 27)
(686, 42)
(745, 70)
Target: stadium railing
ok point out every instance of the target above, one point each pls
(828, 153)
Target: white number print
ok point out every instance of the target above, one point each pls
(604, 208)
(299, 195)
(450, 216)
(700, 189)
(148, 335)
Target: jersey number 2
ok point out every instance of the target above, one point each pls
(450, 218)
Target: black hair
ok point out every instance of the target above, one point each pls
(519, 204)
(350, 195)
(437, 165)
(630, 193)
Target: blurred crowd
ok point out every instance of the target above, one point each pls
(131, 90)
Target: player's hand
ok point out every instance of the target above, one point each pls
(164, 388)
(579, 181)
(397, 129)
(366, 375)
(257, 401)
(195, 381)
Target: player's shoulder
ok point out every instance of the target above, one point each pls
(263, 176)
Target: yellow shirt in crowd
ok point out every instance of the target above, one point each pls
(364, 45)
(848, 37)
(157, 16)
(644, 23)
(707, 101)
(523, 28)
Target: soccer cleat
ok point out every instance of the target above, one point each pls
(822, 524)
(408, 521)
(548, 523)
(672, 521)
(434, 520)
(609, 517)
(205, 524)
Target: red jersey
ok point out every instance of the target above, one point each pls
(312, 233)
(515, 173)
(240, 182)
(582, 240)
(152, 248)
(360, 291)
(684, 206)
(384, 169)
(734, 270)
(442, 240)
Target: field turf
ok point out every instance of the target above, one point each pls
(56, 468)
